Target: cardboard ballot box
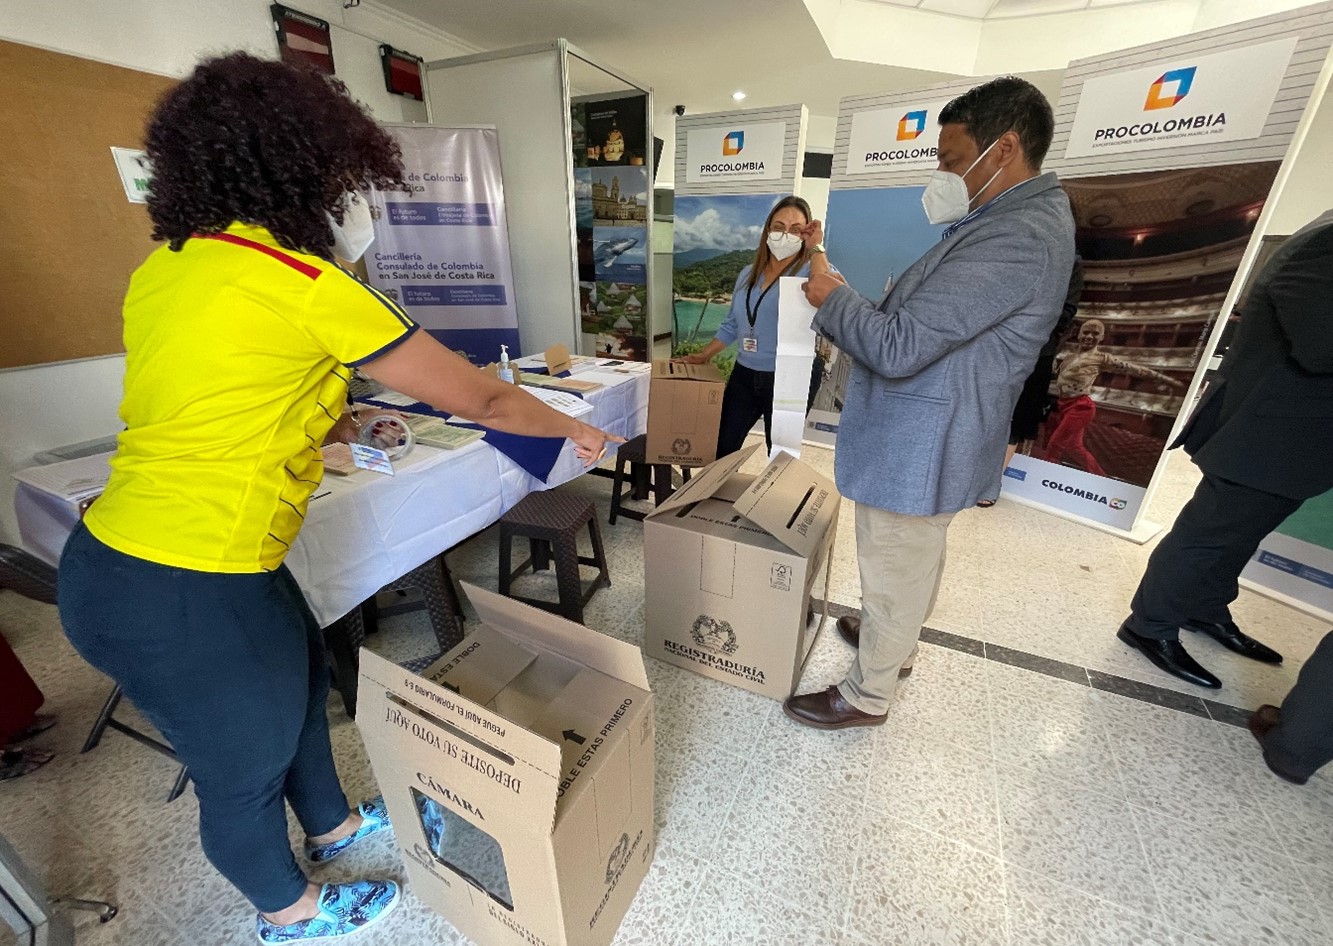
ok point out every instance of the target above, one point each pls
(518, 772)
(730, 562)
(684, 410)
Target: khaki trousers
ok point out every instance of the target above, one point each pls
(902, 560)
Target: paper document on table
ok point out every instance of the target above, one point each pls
(606, 377)
(564, 403)
(396, 399)
(73, 480)
(796, 355)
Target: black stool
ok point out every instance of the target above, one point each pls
(33, 578)
(632, 455)
(107, 719)
(551, 521)
(345, 636)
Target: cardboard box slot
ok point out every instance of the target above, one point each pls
(450, 729)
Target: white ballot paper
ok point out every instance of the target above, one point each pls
(796, 354)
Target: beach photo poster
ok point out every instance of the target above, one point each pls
(714, 238)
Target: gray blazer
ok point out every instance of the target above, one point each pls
(940, 362)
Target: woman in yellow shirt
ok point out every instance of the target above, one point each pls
(240, 336)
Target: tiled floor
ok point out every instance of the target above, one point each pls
(998, 806)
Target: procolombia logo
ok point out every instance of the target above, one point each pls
(1089, 495)
(1167, 92)
(874, 158)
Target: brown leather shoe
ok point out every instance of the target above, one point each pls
(1265, 720)
(849, 629)
(828, 710)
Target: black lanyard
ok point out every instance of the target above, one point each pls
(753, 313)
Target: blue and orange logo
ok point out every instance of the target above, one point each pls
(1170, 88)
(911, 125)
(733, 143)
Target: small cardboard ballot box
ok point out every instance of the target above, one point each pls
(730, 562)
(518, 772)
(684, 411)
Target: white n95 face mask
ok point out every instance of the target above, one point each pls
(783, 245)
(353, 236)
(945, 199)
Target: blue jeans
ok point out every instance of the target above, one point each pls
(749, 397)
(231, 669)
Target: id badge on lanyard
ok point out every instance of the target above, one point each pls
(750, 343)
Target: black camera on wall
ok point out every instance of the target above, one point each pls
(679, 109)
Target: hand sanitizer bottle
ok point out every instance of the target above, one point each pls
(506, 372)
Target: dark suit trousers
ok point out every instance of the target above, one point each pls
(1303, 743)
(1194, 573)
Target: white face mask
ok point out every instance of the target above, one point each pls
(354, 235)
(945, 199)
(783, 245)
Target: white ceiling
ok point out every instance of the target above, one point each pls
(691, 52)
(1001, 9)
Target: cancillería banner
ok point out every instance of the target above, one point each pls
(442, 251)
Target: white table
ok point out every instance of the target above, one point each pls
(365, 530)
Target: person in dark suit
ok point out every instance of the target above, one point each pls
(1297, 740)
(1263, 436)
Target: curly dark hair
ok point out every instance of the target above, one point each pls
(264, 143)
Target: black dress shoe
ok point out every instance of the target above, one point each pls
(1234, 639)
(1264, 720)
(1170, 657)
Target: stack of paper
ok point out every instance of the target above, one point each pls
(574, 385)
(434, 432)
(72, 480)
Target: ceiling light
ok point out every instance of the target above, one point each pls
(737, 95)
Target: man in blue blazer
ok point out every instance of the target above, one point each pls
(939, 364)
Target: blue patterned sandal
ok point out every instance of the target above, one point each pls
(343, 909)
(376, 817)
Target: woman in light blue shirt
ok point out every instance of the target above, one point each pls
(753, 324)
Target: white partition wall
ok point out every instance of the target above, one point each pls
(525, 94)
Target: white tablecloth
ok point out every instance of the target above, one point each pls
(369, 529)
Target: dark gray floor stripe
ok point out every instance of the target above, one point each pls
(1072, 673)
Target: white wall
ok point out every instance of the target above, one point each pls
(53, 405)
(1309, 190)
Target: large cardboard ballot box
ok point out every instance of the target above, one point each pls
(518, 772)
(730, 562)
(684, 411)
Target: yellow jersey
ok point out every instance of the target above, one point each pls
(238, 355)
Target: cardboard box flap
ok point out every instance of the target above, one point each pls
(525, 763)
(534, 627)
(481, 666)
(704, 483)
(666, 370)
(793, 502)
(587, 720)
